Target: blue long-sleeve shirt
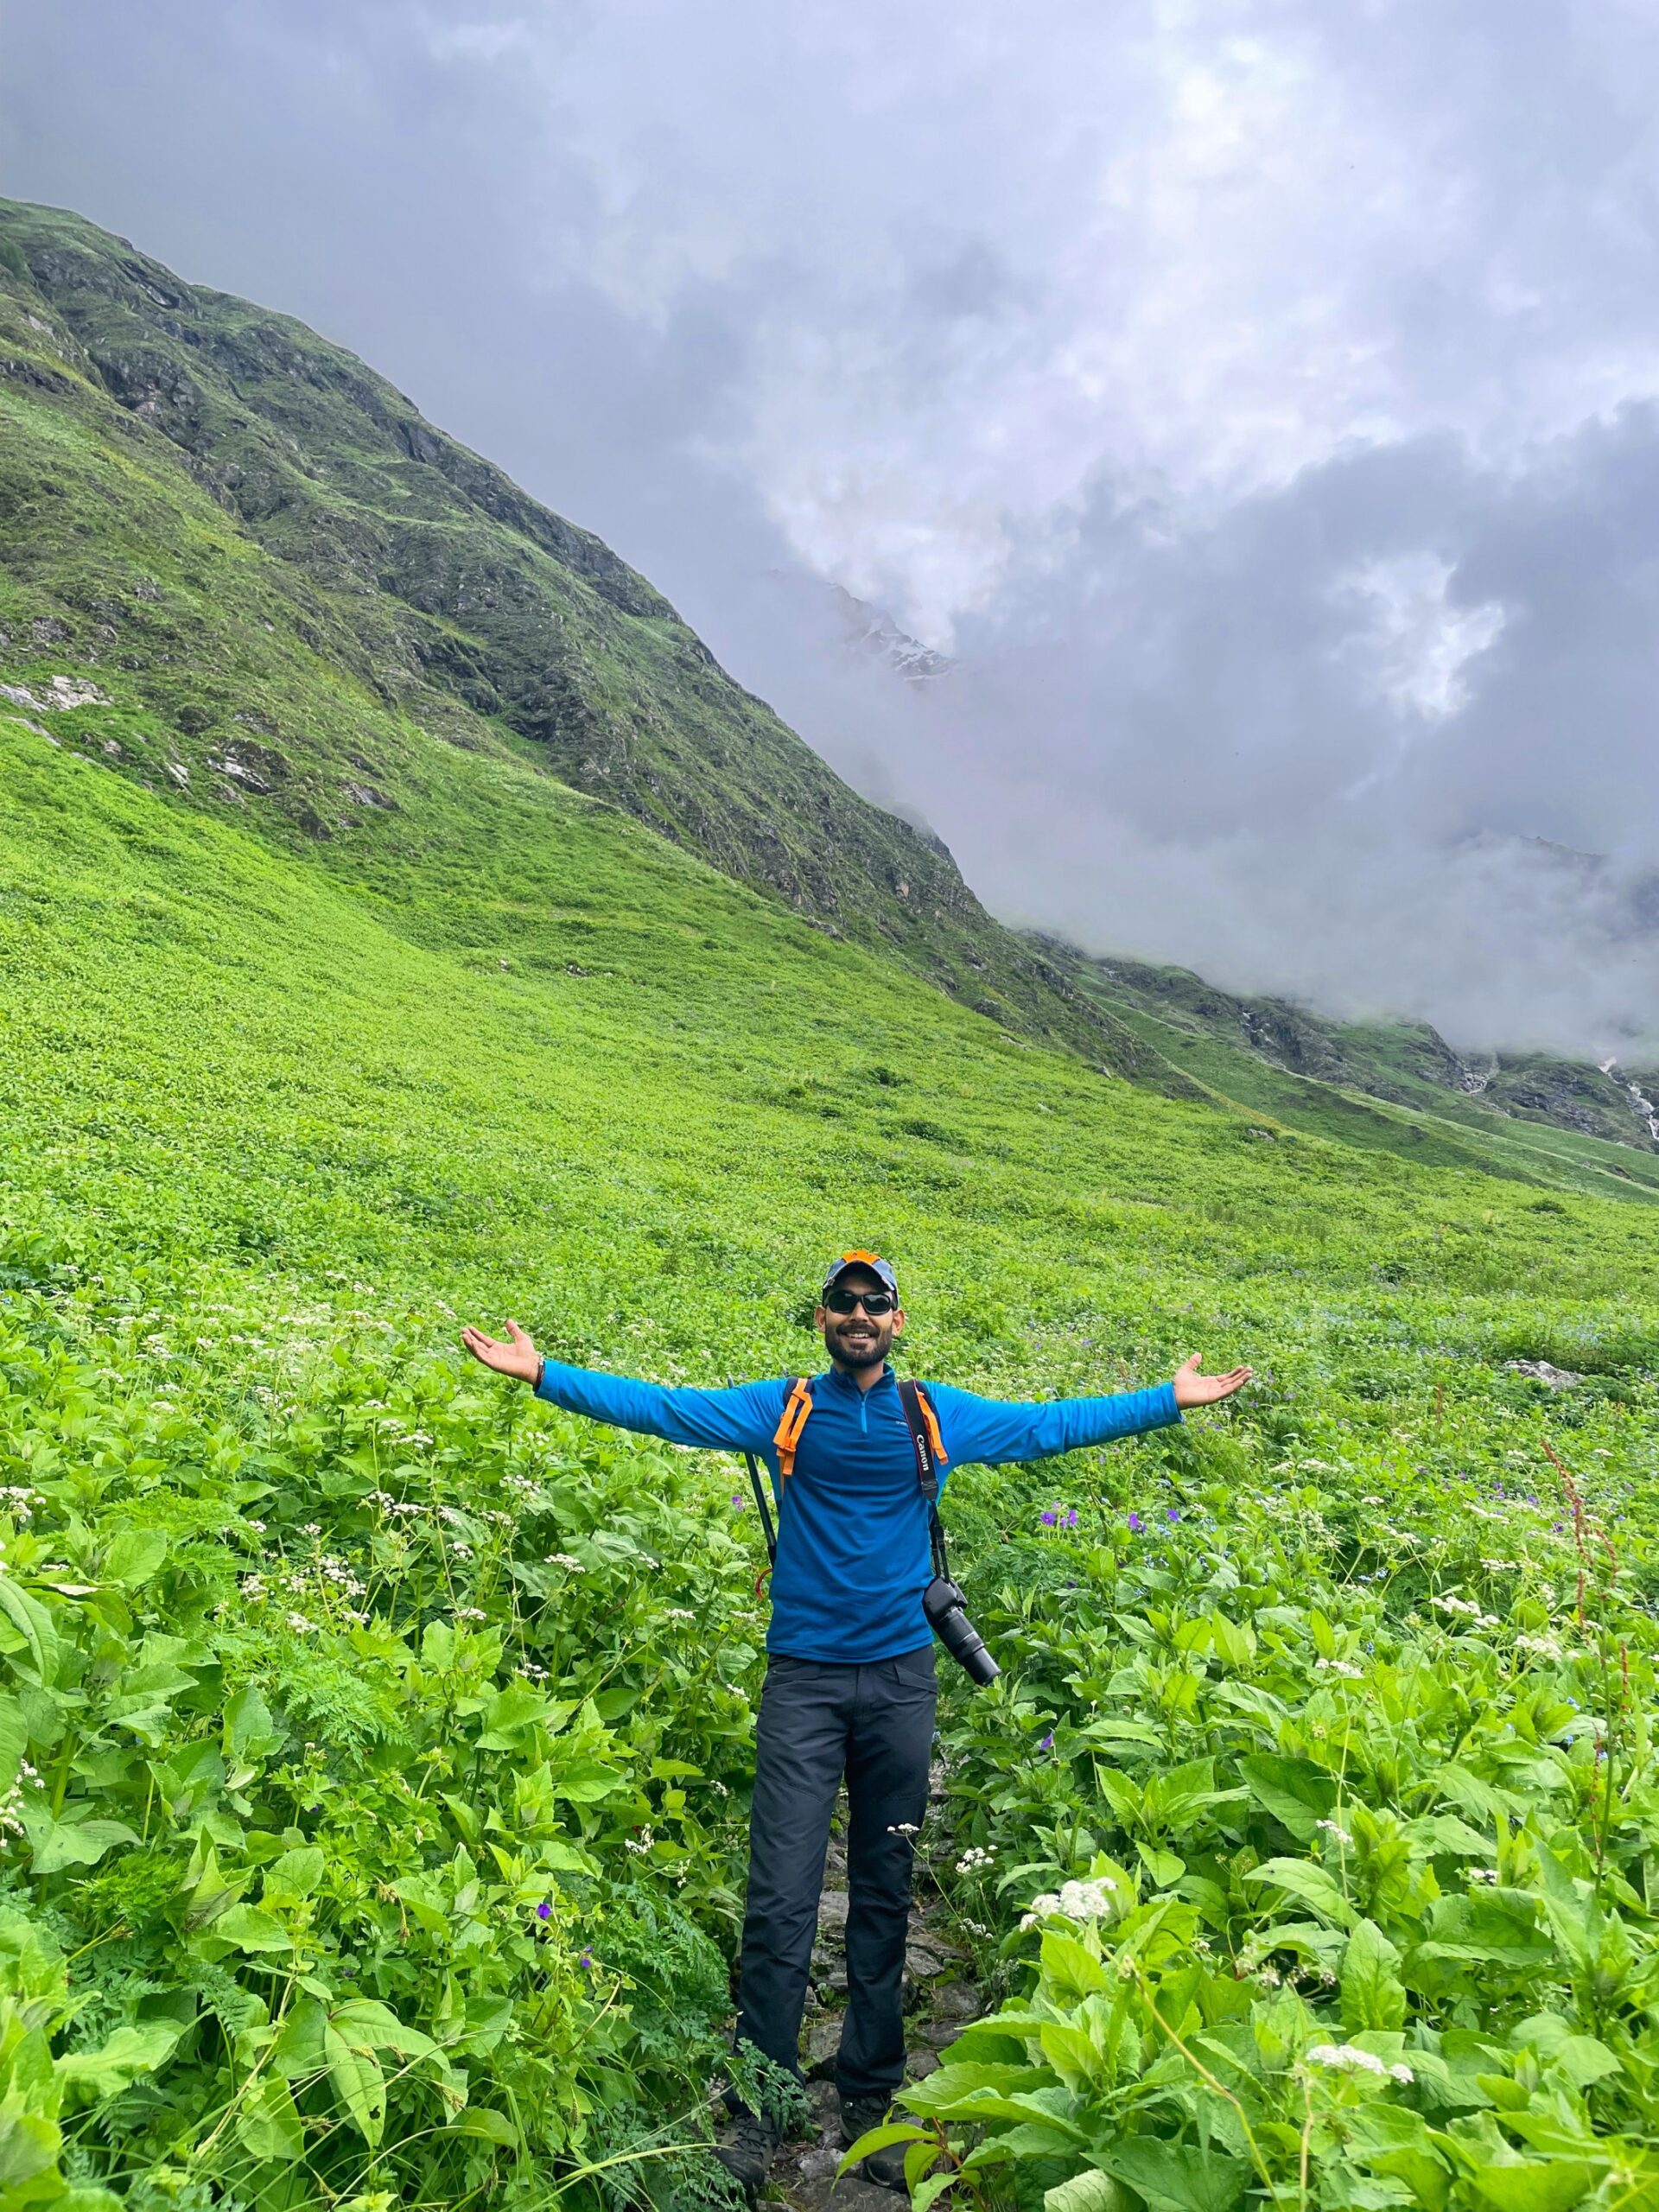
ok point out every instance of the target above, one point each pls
(853, 1557)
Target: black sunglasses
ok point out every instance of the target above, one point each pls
(875, 1302)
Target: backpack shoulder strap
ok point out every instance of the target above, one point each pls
(797, 1406)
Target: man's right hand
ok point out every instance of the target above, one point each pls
(518, 1357)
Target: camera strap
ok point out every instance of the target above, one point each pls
(927, 1445)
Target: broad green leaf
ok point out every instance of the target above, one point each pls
(1178, 2178)
(1070, 1968)
(29, 2145)
(295, 1874)
(485, 2125)
(249, 1733)
(960, 2080)
(14, 1741)
(58, 1844)
(1092, 2190)
(1235, 1640)
(368, 2024)
(1310, 1884)
(129, 2052)
(299, 2054)
(1297, 1793)
(1164, 1868)
(1531, 2186)
(1581, 2058)
(585, 1781)
(1373, 1995)
(1027, 2138)
(923, 2193)
(134, 1556)
(359, 2083)
(268, 2122)
(252, 1929)
(423, 1894)
(1071, 2052)
(879, 2138)
(512, 1713)
(34, 1623)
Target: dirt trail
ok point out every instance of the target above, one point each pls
(940, 1999)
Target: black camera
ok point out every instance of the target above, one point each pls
(942, 1603)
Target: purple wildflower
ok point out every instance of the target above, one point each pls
(1072, 1517)
(587, 1961)
(1047, 1744)
(1049, 1518)
(1171, 1513)
(738, 1500)
(1136, 1524)
(544, 1910)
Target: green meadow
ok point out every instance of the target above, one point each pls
(378, 1739)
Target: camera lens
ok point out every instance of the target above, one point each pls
(941, 1602)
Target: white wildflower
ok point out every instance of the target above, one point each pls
(975, 1859)
(1345, 1668)
(1541, 1647)
(1340, 1833)
(299, 1624)
(564, 1559)
(1081, 1901)
(1346, 2058)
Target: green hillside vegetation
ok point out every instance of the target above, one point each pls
(375, 1743)
(295, 591)
(1397, 1086)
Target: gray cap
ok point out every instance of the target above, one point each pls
(876, 1266)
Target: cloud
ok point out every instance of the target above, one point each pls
(1257, 397)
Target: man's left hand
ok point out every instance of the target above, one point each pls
(1192, 1389)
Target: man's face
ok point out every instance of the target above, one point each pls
(859, 1338)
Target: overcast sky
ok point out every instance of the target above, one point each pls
(1260, 398)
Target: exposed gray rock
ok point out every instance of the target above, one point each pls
(1555, 1378)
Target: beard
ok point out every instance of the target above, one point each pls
(862, 1351)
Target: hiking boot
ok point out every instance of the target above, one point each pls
(747, 2153)
(858, 2116)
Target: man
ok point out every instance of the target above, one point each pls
(850, 1687)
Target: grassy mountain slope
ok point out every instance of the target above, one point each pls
(1397, 1087)
(291, 591)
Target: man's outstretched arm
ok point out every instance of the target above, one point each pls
(992, 1432)
(741, 1418)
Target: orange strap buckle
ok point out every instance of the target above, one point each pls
(798, 1406)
